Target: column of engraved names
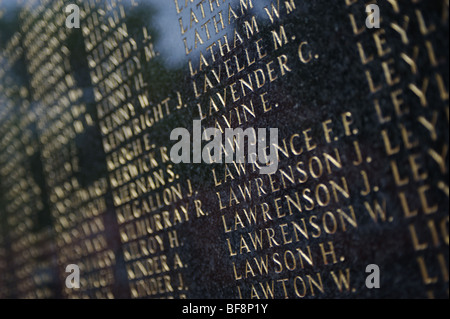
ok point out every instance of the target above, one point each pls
(5, 277)
(4, 292)
(412, 113)
(5, 111)
(3, 245)
(268, 216)
(151, 201)
(30, 250)
(77, 203)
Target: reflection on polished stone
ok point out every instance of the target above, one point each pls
(86, 176)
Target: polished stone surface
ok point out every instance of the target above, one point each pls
(85, 175)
